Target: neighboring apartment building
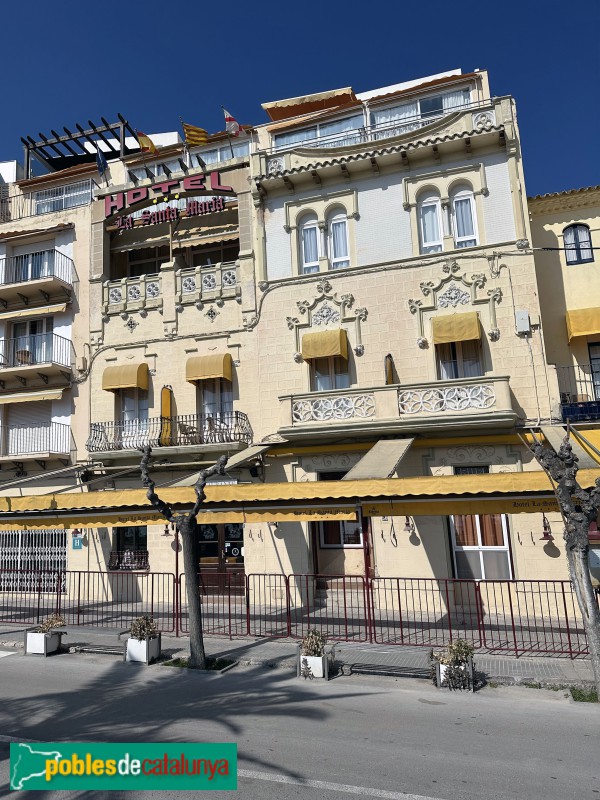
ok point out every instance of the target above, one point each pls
(350, 289)
(565, 230)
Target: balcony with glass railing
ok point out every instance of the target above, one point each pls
(210, 432)
(465, 402)
(22, 442)
(43, 353)
(45, 271)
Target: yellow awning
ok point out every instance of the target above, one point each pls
(583, 322)
(203, 368)
(456, 328)
(29, 397)
(325, 344)
(396, 489)
(39, 311)
(125, 376)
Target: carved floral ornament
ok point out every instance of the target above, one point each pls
(326, 309)
(448, 292)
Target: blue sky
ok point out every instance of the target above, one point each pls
(155, 62)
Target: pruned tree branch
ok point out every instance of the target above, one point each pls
(205, 474)
(162, 507)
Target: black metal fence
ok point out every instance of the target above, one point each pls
(189, 429)
(579, 386)
(496, 616)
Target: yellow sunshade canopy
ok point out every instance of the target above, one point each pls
(456, 328)
(28, 397)
(127, 376)
(57, 308)
(583, 322)
(325, 344)
(203, 368)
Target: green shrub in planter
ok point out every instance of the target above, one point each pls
(312, 661)
(454, 668)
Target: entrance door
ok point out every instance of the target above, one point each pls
(221, 556)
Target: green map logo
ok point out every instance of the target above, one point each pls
(103, 766)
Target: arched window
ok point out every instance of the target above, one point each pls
(338, 241)
(430, 223)
(463, 218)
(309, 245)
(578, 244)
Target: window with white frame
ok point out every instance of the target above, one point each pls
(412, 114)
(430, 223)
(133, 414)
(335, 133)
(309, 244)
(215, 397)
(578, 244)
(334, 533)
(216, 154)
(338, 241)
(459, 360)
(480, 546)
(464, 221)
(61, 197)
(329, 373)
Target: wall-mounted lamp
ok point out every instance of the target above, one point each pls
(257, 470)
(409, 525)
(547, 530)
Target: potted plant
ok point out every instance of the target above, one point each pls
(312, 661)
(454, 667)
(45, 639)
(143, 644)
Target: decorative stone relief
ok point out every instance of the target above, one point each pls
(275, 165)
(188, 284)
(445, 398)
(341, 407)
(152, 289)
(131, 324)
(327, 309)
(466, 454)
(446, 292)
(115, 295)
(228, 278)
(453, 296)
(133, 293)
(336, 462)
(484, 119)
(209, 282)
(212, 313)
(522, 244)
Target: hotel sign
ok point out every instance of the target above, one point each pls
(194, 208)
(117, 203)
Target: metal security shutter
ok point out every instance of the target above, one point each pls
(29, 426)
(30, 560)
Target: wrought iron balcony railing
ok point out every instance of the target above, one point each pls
(129, 560)
(23, 440)
(579, 386)
(43, 348)
(35, 266)
(182, 431)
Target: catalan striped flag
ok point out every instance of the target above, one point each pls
(194, 135)
(146, 143)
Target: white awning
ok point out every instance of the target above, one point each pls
(381, 460)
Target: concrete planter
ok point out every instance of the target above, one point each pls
(441, 670)
(144, 652)
(318, 665)
(42, 644)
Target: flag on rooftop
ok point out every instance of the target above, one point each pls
(194, 135)
(232, 126)
(101, 162)
(146, 143)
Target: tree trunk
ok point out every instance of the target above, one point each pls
(189, 543)
(588, 605)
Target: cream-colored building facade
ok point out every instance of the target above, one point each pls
(350, 289)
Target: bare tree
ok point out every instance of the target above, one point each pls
(186, 526)
(578, 508)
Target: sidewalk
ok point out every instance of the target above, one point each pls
(352, 658)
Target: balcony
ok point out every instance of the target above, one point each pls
(35, 275)
(23, 442)
(45, 201)
(43, 354)
(579, 387)
(466, 403)
(172, 435)
(133, 560)
(208, 284)
(132, 294)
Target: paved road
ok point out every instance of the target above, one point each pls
(389, 738)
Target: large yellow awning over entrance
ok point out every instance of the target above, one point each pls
(204, 368)
(583, 322)
(456, 328)
(325, 344)
(127, 376)
(512, 492)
